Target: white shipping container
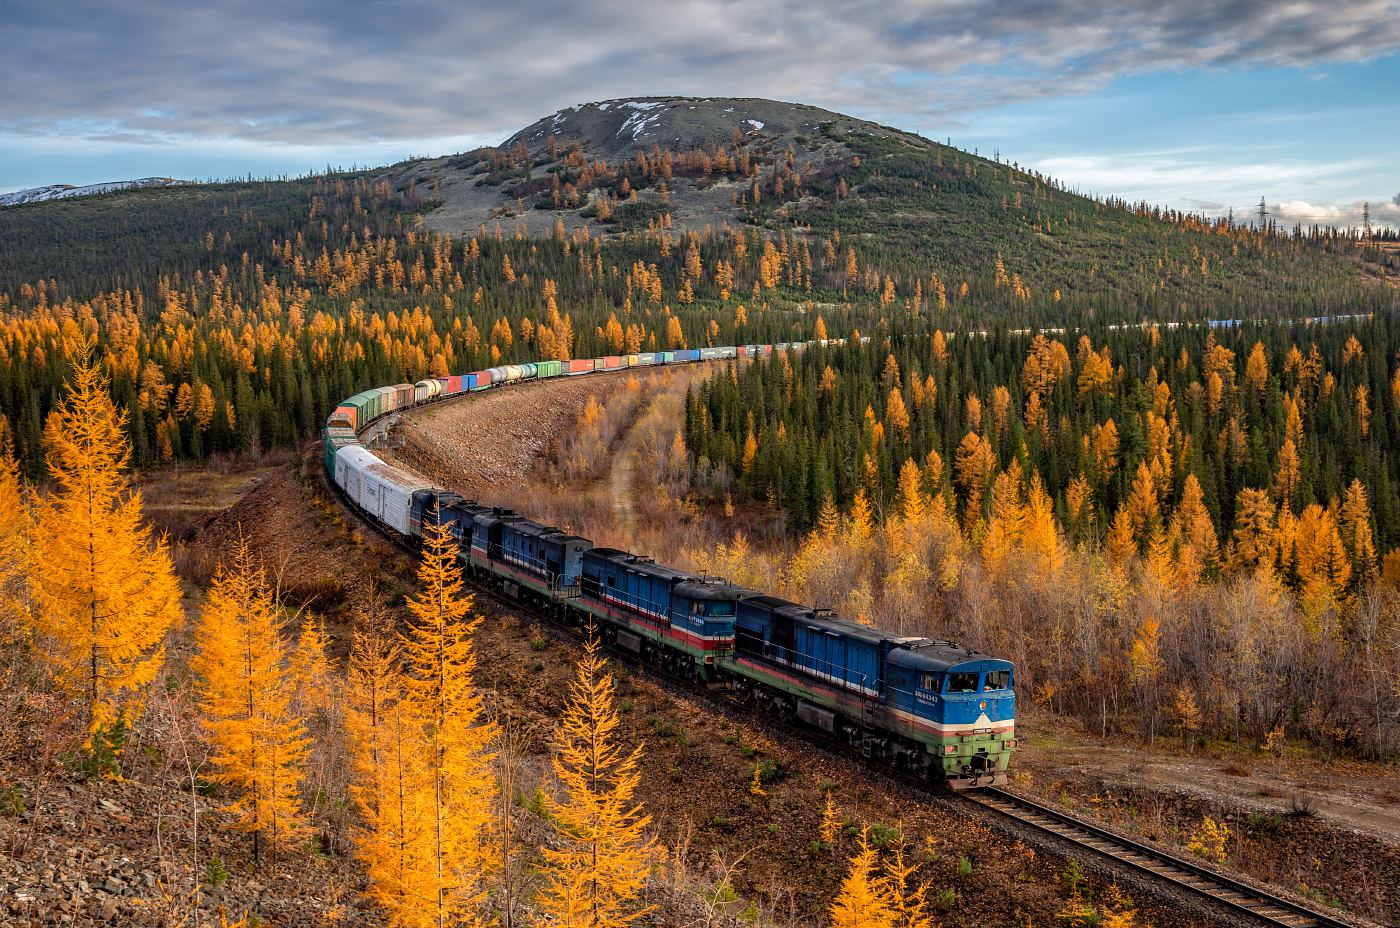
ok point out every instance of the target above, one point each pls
(392, 495)
(350, 464)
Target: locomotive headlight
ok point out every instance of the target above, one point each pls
(950, 749)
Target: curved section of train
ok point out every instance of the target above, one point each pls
(915, 704)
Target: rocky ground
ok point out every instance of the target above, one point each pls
(486, 444)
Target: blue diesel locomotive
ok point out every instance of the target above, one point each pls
(915, 704)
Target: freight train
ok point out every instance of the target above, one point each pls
(919, 705)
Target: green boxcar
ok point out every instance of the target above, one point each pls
(548, 368)
(368, 404)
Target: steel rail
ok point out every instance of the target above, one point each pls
(1233, 894)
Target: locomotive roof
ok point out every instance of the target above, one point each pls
(818, 619)
(711, 589)
(688, 585)
(641, 564)
(942, 656)
(549, 532)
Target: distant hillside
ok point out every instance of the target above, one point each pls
(977, 228)
(65, 191)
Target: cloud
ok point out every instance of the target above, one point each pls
(1346, 216)
(325, 72)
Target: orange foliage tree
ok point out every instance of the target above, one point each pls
(259, 744)
(601, 863)
(104, 591)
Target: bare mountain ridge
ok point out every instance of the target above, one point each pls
(615, 131)
(624, 128)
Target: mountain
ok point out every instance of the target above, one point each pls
(65, 191)
(623, 128)
(474, 192)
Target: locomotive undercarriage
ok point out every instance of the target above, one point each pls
(882, 748)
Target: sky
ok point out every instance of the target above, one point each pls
(1199, 105)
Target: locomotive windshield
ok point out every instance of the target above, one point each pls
(962, 682)
(998, 679)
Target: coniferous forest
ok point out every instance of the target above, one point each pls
(1151, 457)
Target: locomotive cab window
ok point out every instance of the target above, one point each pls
(722, 608)
(998, 679)
(932, 682)
(962, 682)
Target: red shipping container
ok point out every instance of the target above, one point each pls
(612, 361)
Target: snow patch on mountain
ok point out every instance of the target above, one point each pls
(64, 191)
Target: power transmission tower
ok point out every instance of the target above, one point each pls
(1263, 213)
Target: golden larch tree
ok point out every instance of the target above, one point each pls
(259, 745)
(14, 547)
(1356, 531)
(104, 591)
(393, 784)
(440, 664)
(908, 899)
(863, 901)
(602, 861)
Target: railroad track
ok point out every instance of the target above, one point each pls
(1241, 898)
(1147, 861)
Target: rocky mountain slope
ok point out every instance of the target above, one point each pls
(619, 131)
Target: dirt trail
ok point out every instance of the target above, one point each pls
(621, 482)
(657, 418)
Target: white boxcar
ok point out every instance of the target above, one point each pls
(388, 495)
(350, 464)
